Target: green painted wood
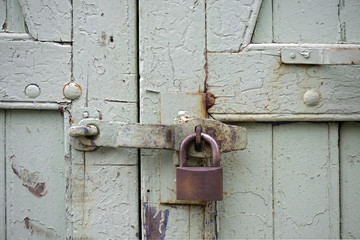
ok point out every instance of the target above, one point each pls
(14, 17)
(264, 25)
(111, 203)
(305, 21)
(27, 62)
(171, 50)
(350, 19)
(306, 180)
(254, 82)
(48, 21)
(350, 180)
(230, 23)
(104, 181)
(35, 175)
(2, 15)
(2, 175)
(246, 211)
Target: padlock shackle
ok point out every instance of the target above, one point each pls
(211, 141)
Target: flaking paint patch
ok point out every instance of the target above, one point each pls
(30, 180)
(152, 222)
(36, 228)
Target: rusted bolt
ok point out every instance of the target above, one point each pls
(32, 91)
(210, 100)
(72, 90)
(311, 97)
(293, 55)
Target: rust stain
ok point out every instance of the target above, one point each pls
(4, 26)
(210, 100)
(30, 181)
(152, 222)
(39, 230)
(169, 136)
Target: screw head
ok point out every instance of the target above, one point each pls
(311, 97)
(32, 91)
(293, 55)
(72, 90)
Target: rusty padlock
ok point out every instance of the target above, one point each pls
(199, 183)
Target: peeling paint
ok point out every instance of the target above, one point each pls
(152, 222)
(30, 180)
(36, 228)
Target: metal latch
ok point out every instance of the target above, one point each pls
(99, 133)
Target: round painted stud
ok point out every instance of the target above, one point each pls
(32, 91)
(311, 97)
(293, 55)
(72, 90)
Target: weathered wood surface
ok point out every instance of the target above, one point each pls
(303, 22)
(246, 211)
(105, 189)
(306, 180)
(230, 23)
(255, 82)
(14, 17)
(35, 175)
(350, 20)
(47, 65)
(172, 46)
(48, 20)
(350, 180)
(264, 30)
(2, 176)
(2, 15)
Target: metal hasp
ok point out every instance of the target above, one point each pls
(159, 136)
(199, 183)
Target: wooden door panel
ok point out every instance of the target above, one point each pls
(302, 21)
(246, 211)
(350, 180)
(35, 175)
(306, 180)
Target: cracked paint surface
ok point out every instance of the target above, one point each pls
(30, 180)
(155, 222)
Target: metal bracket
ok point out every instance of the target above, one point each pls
(157, 136)
(320, 56)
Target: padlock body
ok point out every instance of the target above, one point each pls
(199, 183)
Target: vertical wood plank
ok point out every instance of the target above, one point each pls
(171, 49)
(111, 203)
(305, 21)
(2, 174)
(350, 180)
(246, 211)
(349, 15)
(14, 17)
(35, 175)
(105, 66)
(306, 179)
(263, 31)
(2, 15)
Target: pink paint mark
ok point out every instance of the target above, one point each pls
(30, 181)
